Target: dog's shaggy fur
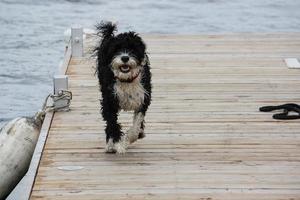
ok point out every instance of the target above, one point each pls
(125, 81)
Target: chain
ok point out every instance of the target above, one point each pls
(60, 101)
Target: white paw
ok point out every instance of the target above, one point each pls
(121, 146)
(110, 146)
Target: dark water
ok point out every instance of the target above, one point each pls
(31, 33)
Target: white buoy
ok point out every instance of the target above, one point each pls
(17, 142)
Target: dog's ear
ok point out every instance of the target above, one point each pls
(145, 61)
(106, 29)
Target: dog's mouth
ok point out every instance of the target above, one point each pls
(125, 68)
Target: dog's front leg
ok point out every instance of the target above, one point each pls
(137, 129)
(116, 141)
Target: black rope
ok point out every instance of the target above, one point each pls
(289, 107)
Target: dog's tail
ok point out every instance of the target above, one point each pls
(106, 29)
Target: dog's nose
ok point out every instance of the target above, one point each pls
(125, 58)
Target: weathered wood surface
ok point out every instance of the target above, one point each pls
(205, 139)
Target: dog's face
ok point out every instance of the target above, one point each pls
(125, 54)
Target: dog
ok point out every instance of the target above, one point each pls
(124, 75)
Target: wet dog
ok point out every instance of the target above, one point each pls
(125, 81)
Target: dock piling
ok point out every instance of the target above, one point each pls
(60, 83)
(77, 41)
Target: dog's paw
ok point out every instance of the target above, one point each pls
(110, 147)
(121, 146)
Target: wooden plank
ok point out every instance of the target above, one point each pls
(172, 193)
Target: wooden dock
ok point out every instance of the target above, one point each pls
(206, 139)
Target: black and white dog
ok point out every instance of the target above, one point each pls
(125, 82)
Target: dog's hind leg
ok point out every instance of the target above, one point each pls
(137, 128)
(139, 122)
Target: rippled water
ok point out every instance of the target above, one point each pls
(31, 33)
(31, 42)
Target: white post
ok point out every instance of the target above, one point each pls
(77, 41)
(60, 83)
